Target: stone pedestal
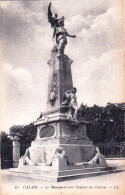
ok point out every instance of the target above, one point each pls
(59, 164)
(54, 129)
(61, 133)
(60, 80)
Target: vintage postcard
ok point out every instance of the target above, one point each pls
(62, 97)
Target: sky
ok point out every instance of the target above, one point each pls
(26, 43)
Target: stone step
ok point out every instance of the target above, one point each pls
(32, 170)
(55, 178)
(50, 175)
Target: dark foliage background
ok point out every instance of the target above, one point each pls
(6, 151)
(26, 133)
(106, 124)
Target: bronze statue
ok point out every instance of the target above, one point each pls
(52, 18)
(60, 34)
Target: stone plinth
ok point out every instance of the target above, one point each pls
(67, 134)
(76, 150)
(59, 164)
(70, 172)
(54, 129)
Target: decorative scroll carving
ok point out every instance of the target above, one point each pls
(53, 95)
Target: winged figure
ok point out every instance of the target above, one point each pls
(60, 33)
(54, 21)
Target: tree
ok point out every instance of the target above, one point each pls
(26, 133)
(106, 124)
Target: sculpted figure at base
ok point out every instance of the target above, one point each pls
(97, 159)
(59, 34)
(71, 101)
(25, 160)
(60, 153)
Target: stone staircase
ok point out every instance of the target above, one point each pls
(73, 172)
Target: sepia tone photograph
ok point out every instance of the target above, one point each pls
(62, 97)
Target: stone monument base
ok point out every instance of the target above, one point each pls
(61, 132)
(50, 173)
(77, 150)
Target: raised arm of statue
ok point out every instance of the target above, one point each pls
(73, 36)
(52, 18)
(54, 21)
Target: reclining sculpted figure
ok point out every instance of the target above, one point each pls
(25, 160)
(97, 159)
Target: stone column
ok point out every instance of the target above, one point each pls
(16, 150)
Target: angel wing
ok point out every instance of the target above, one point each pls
(51, 19)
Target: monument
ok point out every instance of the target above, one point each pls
(62, 149)
(59, 126)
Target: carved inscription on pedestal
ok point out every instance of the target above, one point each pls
(74, 131)
(47, 131)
